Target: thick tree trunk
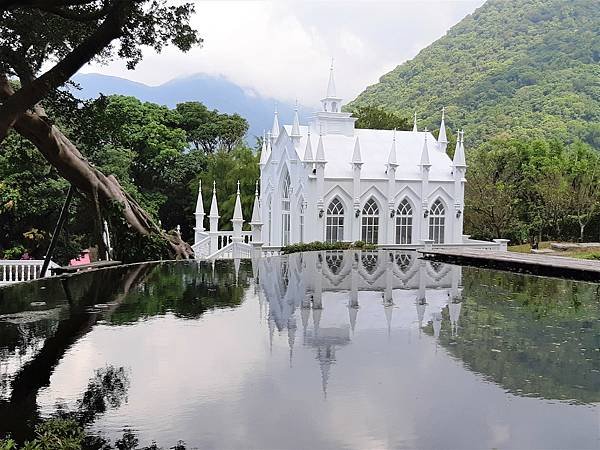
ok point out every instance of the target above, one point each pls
(100, 189)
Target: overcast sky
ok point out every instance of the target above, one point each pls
(282, 49)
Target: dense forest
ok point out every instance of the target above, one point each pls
(522, 78)
(526, 68)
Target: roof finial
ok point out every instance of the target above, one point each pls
(415, 123)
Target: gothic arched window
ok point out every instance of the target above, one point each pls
(404, 223)
(437, 222)
(285, 209)
(334, 229)
(370, 222)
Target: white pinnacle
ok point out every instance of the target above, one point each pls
(442, 139)
(308, 155)
(214, 208)
(237, 209)
(296, 124)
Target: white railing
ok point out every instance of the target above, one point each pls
(16, 271)
(226, 237)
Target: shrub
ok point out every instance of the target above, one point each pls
(320, 246)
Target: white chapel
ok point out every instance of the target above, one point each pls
(330, 181)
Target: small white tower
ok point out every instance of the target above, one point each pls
(415, 129)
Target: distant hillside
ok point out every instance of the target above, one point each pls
(525, 67)
(214, 92)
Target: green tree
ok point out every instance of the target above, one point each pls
(375, 118)
(43, 44)
(209, 130)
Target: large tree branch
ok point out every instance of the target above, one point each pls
(29, 95)
(31, 4)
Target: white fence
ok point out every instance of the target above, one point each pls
(16, 271)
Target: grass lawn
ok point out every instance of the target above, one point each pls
(581, 253)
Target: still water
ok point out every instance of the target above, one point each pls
(319, 350)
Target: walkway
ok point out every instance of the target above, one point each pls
(538, 264)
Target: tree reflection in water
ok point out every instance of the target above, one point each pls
(115, 296)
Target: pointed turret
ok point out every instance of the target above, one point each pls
(425, 161)
(459, 152)
(356, 156)
(320, 150)
(415, 129)
(296, 123)
(392, 160)
(275, 128)
(442, 139)
(308, 154)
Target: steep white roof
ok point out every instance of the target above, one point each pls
(375, 148)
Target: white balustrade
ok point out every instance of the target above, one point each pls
(16, 271)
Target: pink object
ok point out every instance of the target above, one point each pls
(82, 259)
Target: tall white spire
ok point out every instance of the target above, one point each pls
(425, 161)
(356, 156)
(459, 151)
(214, 208)
(256, 207)
(320, 150)
(296, 123)
(237, 209)
(415, 129)
(275, 128)
(331, 91)
(200, 202)
(392, 160)
(308, 154)
(442, 139)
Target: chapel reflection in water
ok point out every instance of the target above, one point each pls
(396, 282)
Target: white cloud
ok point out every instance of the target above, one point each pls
(282, 49)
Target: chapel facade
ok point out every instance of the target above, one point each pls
(330, 181)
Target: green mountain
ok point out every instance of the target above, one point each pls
(522, 67)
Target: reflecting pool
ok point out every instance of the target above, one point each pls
(322, 350)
